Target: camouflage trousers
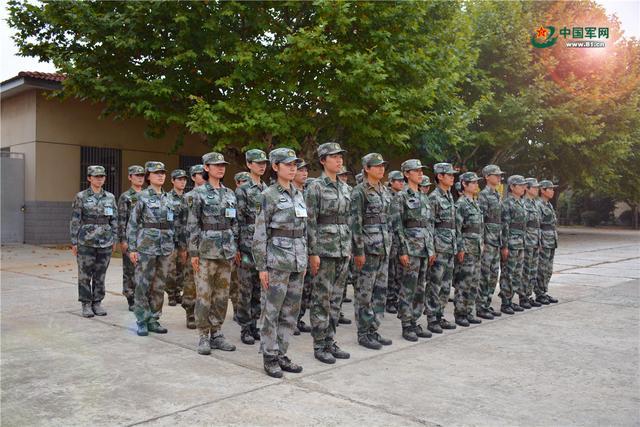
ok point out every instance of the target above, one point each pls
(188, 288)
(280, 307)
(234, 287)
(466, 281)
(212, 294)
(326, 298)
(545, 270)
(305, 303)
(128, 276)
(439, 286)
(412, 290)
(371, 293)
(394, 277)
(489, 269)
(530, 270)
(249, 290)
(92, 268)
(511, 275)
(175, 279)
(151, 276)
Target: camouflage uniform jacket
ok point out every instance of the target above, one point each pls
(491, 206)
(532, 236)
(213, 223)
(152, 209)
(328, 223)
(249, 197)
(514, 218)
(469, 226)
(126, 202)
(444, 212)
(281, 211)
(413, 223)
(180, 218)
(548, 223)
(371, 219)
(101, 210)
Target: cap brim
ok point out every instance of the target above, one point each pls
(289, 160)
(98, 174)
(335, 152)
(384, 162)
(550, 186)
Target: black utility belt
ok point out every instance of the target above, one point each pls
(157, 225)
(547, 227)
(492, 221)
(471, 228)
(416, 224)
(216, 227)
(293, 234)
(445, 224)
(533, 224)
(517, 226)
(332, 219)
(372, 220)
(96, 221)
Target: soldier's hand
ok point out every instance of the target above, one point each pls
(359, 260)
(123, 247)
(74, 250)
(460, 256)
(195, 263)
(432, 260)
(314, 263)
(504, 252)
(238, 258)
(404, 260)
(264, 279)
(133, 256)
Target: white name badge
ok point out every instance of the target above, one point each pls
(169, 215)
(230, 212)
(301, 211)
(108, 211)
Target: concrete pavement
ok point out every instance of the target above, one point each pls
(571, 363)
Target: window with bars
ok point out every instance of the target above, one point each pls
(110, 158)
(185, 163)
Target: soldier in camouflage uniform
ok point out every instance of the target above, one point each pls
(514, 218)
(413, 225)
(234, 287)
(491, 206)
(531, 244)
(328, 203)
(126, 202)
(213, 243)
(441, 272)
(152, 237)
(93, 229)
(469, 231)
(396, 184)
(425, 185)
(189, 287)
(280, 254)
(548, 242)
(351, 277)
(175, 280)
(249, 196)
(371, 231)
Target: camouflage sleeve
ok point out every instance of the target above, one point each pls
(180, 225)
(241, 203)
(397, 212)
(483, 204)
(114, 222)
(311, 200)
(235, 226)
(133, 225)
(459, 223)
(259, 244)
(357, 211)
(76, 220)
(506, 217)
(184, 213)
(123, 217)
(193, 224)
(431, 245)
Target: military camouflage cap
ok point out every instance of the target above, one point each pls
(178, 173)
(545, 183)
(516, 180)
(395, 176)
(135, 170)
(154, 167)
(445, 168)
(359, 177)
(242, 176)
(329, 148)
(425, 181)
(214, 158)
(302, 164)
(491, 170)
(282, 155)
(469, 177)
(373, 159)
(411, 164)
(256, 155)
(96, 170)
(532, 182)
(196, 169)
(344, 171)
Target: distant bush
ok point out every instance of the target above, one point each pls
(590, 218)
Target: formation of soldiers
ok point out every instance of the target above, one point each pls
(281, 249)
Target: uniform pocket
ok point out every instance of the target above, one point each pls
(373, 239)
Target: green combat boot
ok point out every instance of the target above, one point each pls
(156, 327)
(272, 367)
(143, 331)
(204, 347)
(98, 310)
(86, 310)
(219, 342)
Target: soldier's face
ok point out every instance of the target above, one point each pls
(179, 183)
(157, 178)
(257, 168)
(548, 193)
(301, 176)
(493, 179)
(446, 179)
(344, 178)
(333, 163)
(414, 176)
(533, 191)
(286, 171)
(97, 181)
(239, 183)
(376, 172)
(472, 186)
(518, 190)
(197, 178)
(137, 179)
(216, 171)
(425, 189)
(396, 184)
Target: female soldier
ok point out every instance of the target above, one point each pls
(469, 232)
(548, 242)
(371, 231)
(152, 240)
(280, 255)
(93, 229)
(329, 240)
(213, 243)
(413, 226)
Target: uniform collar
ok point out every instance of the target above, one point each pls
(291, 191)
(210, 187)
(328, 181)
